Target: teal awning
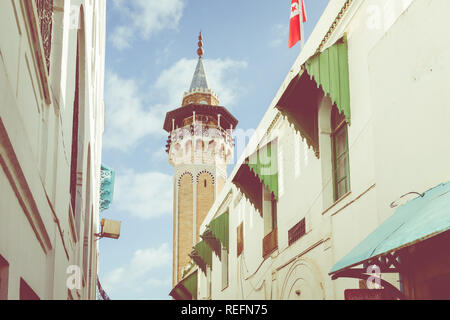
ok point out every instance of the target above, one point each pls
(264, 164)
(219, 228)
(107, 176)
(329, 69)
(415, 221)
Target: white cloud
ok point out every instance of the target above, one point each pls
(121, 37)
(127, 118)
(145, 195)
(145, 18)
(137, 276)
(145, 260)
(223, 76)
(134, 113)
(280, 34)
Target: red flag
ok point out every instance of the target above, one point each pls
(294, 29)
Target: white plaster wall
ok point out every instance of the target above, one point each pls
(411, 105)
(35, 147)
(397, 144)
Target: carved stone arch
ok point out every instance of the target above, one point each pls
(303, 282)
(182, 176)
(207, 172)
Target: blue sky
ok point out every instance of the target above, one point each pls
(150, 60)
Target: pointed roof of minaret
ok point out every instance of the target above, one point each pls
(200, 80)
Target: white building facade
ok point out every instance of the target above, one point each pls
(51, 123)
(361, 119)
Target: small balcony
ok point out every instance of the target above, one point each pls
(270, 243)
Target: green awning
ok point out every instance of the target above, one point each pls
(219, 227)
(212, 242)
(249, 185)
(190, 283)
(202, 255)
(329, 69)
(418, 220)
(299, 104)
(186, 289)
(264, 164)
(325, 73)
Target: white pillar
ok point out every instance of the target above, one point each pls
(194, 212)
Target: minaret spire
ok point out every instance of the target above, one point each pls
(199, 92)
(200, 50)
(199, 81)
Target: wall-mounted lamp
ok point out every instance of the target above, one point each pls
(110, 229)
(402, 200)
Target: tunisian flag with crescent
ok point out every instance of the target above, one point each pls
(294, 29)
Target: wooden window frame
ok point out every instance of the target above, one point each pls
(225, 268)
(240, 239)
(337, 129)
(270, 240)
(270, 243)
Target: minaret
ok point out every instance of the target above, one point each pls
(200, 146)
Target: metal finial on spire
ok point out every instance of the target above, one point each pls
(200, 50)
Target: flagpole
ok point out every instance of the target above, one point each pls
(302, 31)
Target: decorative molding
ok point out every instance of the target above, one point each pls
(45, 16)
(37, 45)
(334, 25)
(19, 184)
(274, 122)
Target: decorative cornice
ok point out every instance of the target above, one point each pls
(334, 24)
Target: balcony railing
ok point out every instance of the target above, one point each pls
(45, 16)
(200, 130)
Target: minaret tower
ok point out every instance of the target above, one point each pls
(200, 147)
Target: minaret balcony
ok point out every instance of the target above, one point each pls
(202, 131)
